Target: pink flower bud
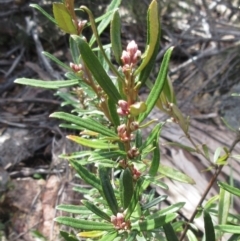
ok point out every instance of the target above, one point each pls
(125, 58)
(132, 48)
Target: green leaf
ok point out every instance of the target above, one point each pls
(113, 113)
(208, 226)
(158, 86)
(187, 148)
(170, 209)
(140, 186)
(43, 12)
(175, 174)
(234, 237)
(152, 136)
(229, 188)
(126, 187)
(153, 35)
(96, 210)
(151, 224)
(88, 124)
(211, 202)
(91, 234)
(57, 61)
(224, 205)
(228, 228)
(115, 33)
(77, 209)
(191, 236)
(154, 202)
(169, 232)
(101, 155)
(132, 235)
(206, 151)
(64, 18)
(105, 22)
(75, 53)
(86, 175)
(108, 190)
(84, 224)
(156, 159)
(92, 143)
(67, 236)
(110, 236)
(50, 84)
(97, 70)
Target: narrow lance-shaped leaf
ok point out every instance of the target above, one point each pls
(50, 84)
(115, 32)
(96, 210)
(153, 35)
(108, 190)
(43, 12)
(154, 202)
(150, 224)
(84, 224)
(75, 53)
(169, 232)
(170, 209)
(229, 188)
(96, 144)
(64, 18)
(95, 67)
(175, 174)
(105, 22)
(139, 187)
(152, 136)
(57, 61)
(228, 228)
(158, 86)
(156, 157)
(86, 175)
(73, 209)
(224, 205)
(208, 225)
(88, 124)
(110, 236)
(67, 236)
(113, 113)
(91, 234)
(126, 187)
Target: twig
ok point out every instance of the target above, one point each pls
(15, 62)
(31, 100)
(211, 183)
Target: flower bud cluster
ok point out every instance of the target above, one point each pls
(135, 172)
(123, 109)
(76, 67)
(122, 133)
(119, 222)
(131, 55)
(133, 152)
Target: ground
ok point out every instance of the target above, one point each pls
(204, 70)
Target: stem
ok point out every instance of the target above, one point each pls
(212, 181)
